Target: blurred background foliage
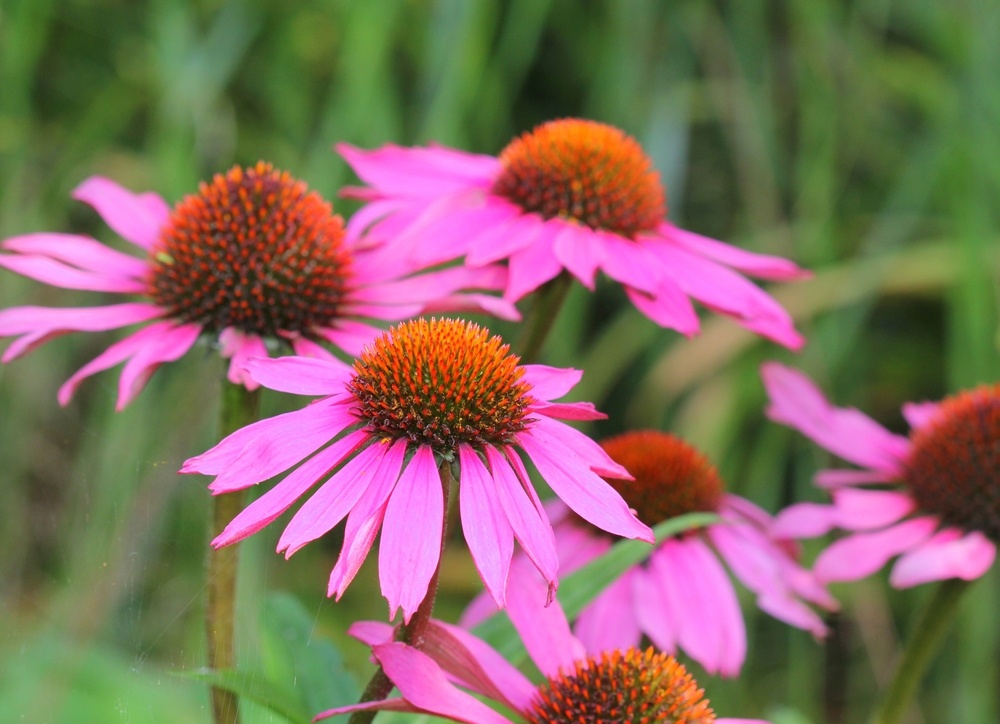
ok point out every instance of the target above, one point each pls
(858, 138)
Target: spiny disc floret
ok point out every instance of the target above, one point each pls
(953, 470)
(622, 687)
(584, 171)
(671, 476)
(441, 383)
(254, 249)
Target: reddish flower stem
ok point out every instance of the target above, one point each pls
(412, 633)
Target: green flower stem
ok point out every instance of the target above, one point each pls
(548, 301)
(239, 408)
(411, 633)
(926, 639)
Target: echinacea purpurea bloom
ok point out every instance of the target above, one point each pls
(253, 257)
(932, 499)
(681, 596)
(573, 195)
(581, 685)
(423, 394)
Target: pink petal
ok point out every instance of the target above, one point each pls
(57, 274)
(473, 304)
(630, 262)
(80, 251)
(419, 172)
(488, 534)
(557, 434)
(532, 266)
(411, 536)
(390, 704)
(365, 520)
(568, 410)
(708, 621)
(576, 545)
(278, 446)
(304, 347)
(653, 608)
(831, 479)
(948, 554)
(861, 554)
(543, 628)
(805, 520)
(870, 509)
(918, 414)
(239, 347)
(504, 239)
(300, 375)
(579, 250)
(527, 522)
(669, 307)
(609, 621)
(277, 500)
(758, 265)
(333, 501)
(798, 403)
(550, 383)
(372, 632)
(581, 489)
(131, 215)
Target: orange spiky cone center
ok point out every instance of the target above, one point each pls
(953, 469)
(585, 171)
(633, 686)
(254, 249)
(671, 477)
(441, 383)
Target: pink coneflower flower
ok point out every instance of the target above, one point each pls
(604, 687)
(681, 596)
(571, 195)
(936, 496)
(423, 395)
(253, 257)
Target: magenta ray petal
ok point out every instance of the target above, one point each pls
(152, 336)
(526, 520)
(555, 433)
(300, 375)
(805, 520)
(57, 274)
(488, 534)
(579, 250)
(424, 684)
(609, 621)
(764, 266)
(948, 554)
(168, 345)
(277, 500)
(849, 433)
(132, 216)
(418, 172)
(505, 239)
(475, 303)
(365, 519)
(668, 306)
(284, 443)
(550, 383)
(861, 554)
(80, 251)
(18, 320)
(478, 666)
(581, 489)
(372, 632)
(543, 628)
(832, 479)
(239, 347)
(350, 335)
(411, 536)
(331, 503)
(532, 266)
(569, 410)
(918, 414)
(870, 509)
(653, 610)
(630, 262)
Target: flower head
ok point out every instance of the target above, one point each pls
(424, 396)
(580, 685)
(681, 596)
(937, 500)
(252, 259)
(573, 195)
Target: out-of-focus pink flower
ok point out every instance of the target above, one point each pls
(580, 685)
(681, 596)
(252, 259)
(423, 395)
(936, 497)
(573, 195)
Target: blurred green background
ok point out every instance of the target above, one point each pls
(859, 138)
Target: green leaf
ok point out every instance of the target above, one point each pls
(584, 584)
(254, 686)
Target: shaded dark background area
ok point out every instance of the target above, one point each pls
(858, 138)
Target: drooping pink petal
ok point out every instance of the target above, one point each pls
(300, 376)
(832, 479)
(581, 489)
(290, 438)
(849, 433)
(474, 304)
(305, 347)
(333, 501)
(918, 414)
(543, 628)
(57, 274)
(532, 266)
(669, 307)
(609, 621)
(487, 532)
(764, 266)
(239, 347)
(80, 251)
(528, 523)
(411, 535)
(870, 509)
(419, 172)
(630, 262)
(708, 623)
(166, 346)
(350, 335)
(805, 520)
(506, 238)
(557, 434)
(151, 337)
(568, 410)
(861, 554)
(131, 215)
(365, 520)
(576, 545)
(277, 500)
(372, 633)
(947, 554)
(579, 251)
(550, 383)
(652, 599)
